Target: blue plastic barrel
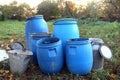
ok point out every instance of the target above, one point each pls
(79, 56)
(35, 24)
(32, 44)
(65, 29)
(50, 55)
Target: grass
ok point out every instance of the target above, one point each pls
(8, 28)
(107, 31)
(12, 30)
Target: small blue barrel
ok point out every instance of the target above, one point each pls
(65, 29)
(79, 56)
(32, 44)
(35, 24)
(50, 55)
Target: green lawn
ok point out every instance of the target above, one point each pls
(109, 32)
(9, 28)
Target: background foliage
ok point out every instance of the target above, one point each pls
(51, 9)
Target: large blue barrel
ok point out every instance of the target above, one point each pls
(65, 29)
(50, 55)
(79, 56)
(35, 24)
(32, 44)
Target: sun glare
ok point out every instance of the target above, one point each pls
(36, 2)
(81, 2)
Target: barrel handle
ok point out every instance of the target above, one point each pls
(52, 52)
(72, 50)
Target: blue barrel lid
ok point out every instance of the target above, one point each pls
(64, 21)
(78, 41)
(48, 42)
(35, 17)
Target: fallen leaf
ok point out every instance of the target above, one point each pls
(112, 75)
(7, 46)
(11, 40)
(7, 71)
(1, 42)
(10, 76)
(2, 71)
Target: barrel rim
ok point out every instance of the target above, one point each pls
(78, 41)
(96, 41)
(40, 35)
(35, 17)
(41, 44)
(65, 20)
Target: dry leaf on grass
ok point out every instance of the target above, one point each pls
(112, 75)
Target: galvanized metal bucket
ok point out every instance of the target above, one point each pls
(98, 60)
(19, 60)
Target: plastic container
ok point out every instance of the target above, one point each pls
(33, 40)
(79, 56)
(98, 60)
(35, 24)
(66, 29)
(50, 55)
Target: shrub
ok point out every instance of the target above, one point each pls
(49, 9)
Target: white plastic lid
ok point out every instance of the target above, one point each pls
(17, 46)
(105, 52)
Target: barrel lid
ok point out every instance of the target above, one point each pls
(65, 21)
(105, 52)
(35, 17)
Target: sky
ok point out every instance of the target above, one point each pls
(34, 3)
